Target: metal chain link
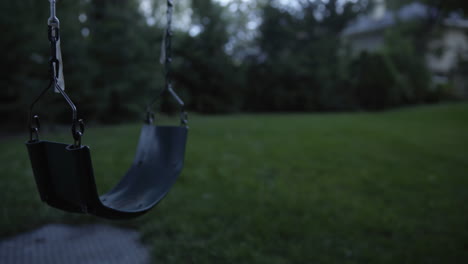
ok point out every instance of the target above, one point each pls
(54, 36)
(167, 59)
(55, 68)
(168, 44)
(55, 65)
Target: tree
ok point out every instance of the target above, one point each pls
(122, 72)
(445, 6)
(202, 67)
(25, 62)
(299, 63)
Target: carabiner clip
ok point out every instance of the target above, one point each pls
(34, 130)
(77, 134)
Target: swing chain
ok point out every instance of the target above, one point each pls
(149, 116)
(168, 62)
(77, 134)
(34, 128)
(166, 58)
(54, 36)
(183, 118)
(54, 64)
(168, 44)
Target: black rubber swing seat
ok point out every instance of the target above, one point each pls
(65, 178)
(64, 173)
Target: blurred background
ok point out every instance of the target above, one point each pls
(321, 131)
(237, 55)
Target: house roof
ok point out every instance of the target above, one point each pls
(456, 21)
(413, 11)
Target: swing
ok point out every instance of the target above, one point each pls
(64, 172)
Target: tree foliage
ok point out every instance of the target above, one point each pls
(293, 61)
(205, 72)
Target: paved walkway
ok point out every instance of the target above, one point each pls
(65, 244)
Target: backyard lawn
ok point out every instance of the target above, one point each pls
(387, 187)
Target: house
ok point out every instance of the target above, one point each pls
(444, 53)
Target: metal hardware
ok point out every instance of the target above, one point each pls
(149, 117)
(55, 69)
(77, 134)
(34, 129)
(166, 58)
(53, 20)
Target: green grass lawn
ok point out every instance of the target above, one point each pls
(287, 188)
